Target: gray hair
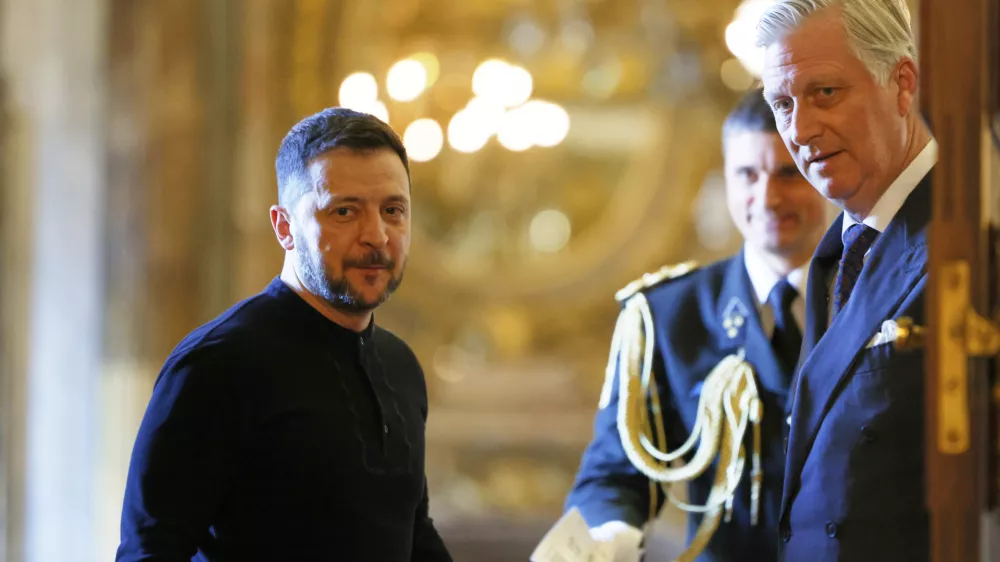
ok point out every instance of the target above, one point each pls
(878, 31)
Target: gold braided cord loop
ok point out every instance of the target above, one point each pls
(729, 405)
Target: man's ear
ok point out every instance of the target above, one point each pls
(281, 222)
(906, 75)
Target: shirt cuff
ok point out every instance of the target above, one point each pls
(617, 531)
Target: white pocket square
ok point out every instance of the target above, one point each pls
(888, 334)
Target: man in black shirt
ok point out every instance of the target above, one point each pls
(291, 427)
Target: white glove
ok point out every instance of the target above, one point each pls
(625, 537)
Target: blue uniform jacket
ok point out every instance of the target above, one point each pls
(854, 478)
(696, 326)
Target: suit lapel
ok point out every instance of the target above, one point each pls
(821, 272)
(738, 295)
(896, 262)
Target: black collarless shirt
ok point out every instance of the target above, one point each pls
(275, 434)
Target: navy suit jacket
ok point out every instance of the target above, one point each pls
(690, 314)
(854, 478)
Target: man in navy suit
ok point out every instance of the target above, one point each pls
(841, 78)
(751, 303)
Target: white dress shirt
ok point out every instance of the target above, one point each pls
(763, 279)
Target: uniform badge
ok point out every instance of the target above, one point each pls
(734, 316)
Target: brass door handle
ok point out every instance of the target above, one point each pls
(909, 335)
(981, 336)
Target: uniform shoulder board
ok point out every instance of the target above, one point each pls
(648, 280)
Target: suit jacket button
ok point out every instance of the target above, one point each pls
(786, 533)
(867, 434)
(831, 529)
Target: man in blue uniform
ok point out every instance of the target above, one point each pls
(729, 327)
(841, 78)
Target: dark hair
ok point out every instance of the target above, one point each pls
(751, 114)
(335, 127)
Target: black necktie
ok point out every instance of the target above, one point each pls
(857, 240)
(787, 338)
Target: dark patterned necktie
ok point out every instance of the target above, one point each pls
(857, 240)
(787, 338)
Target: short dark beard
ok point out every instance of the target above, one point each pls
(338, 291)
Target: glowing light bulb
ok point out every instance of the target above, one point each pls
(423, 140)
(406, 80)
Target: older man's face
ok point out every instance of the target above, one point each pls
(846, 132)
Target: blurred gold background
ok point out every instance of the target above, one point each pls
(139, 138)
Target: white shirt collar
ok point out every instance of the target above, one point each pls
(763, 278)
(894, 197)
